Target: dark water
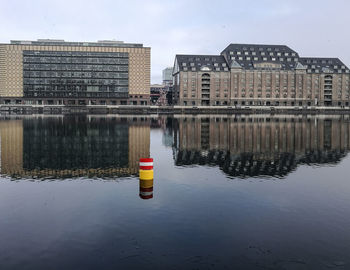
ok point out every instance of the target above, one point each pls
(229, 193)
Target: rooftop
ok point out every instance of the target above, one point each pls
(259, 56)
(61, 42)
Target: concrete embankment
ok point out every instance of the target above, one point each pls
(129, 109)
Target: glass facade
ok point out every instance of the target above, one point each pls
(75, 74)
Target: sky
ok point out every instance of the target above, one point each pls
(318, 28)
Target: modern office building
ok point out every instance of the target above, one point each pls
(80, 73)
(253, 75)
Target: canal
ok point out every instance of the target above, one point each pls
(229, 192)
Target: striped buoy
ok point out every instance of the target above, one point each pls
(146, 178)
(146, 163)
(146, 168)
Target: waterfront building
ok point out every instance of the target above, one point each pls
(74, 73)
(157, 93)
(260, 75)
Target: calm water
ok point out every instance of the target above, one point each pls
(229, 193)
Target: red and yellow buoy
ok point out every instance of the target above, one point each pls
(146, 178)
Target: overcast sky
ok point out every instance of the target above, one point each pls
(311, 27)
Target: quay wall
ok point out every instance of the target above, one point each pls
(144, 110)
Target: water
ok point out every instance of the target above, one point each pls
(237, 192)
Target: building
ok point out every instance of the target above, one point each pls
(253, 75)
(157, 93)
(168, 76)
(74, 73)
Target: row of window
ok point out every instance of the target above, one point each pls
(71, 67)
(71, 60)
(75, 75)
(67, 93)
(74, 54)
(40, 81)
(262, 52)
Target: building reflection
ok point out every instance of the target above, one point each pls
(78, 146)
(260, 146)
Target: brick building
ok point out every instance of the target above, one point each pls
(258, 75)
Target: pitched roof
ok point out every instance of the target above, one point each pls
(247, 55)
(324, 65)
(198, 62)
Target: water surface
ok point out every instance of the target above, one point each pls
(237, 192)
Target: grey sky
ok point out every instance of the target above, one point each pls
(311, 27)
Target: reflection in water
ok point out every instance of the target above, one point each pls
(93, 146)
(260, 146)
(146, 189)
(73, 146)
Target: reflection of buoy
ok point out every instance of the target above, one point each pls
(146, 178)
(146, 189)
